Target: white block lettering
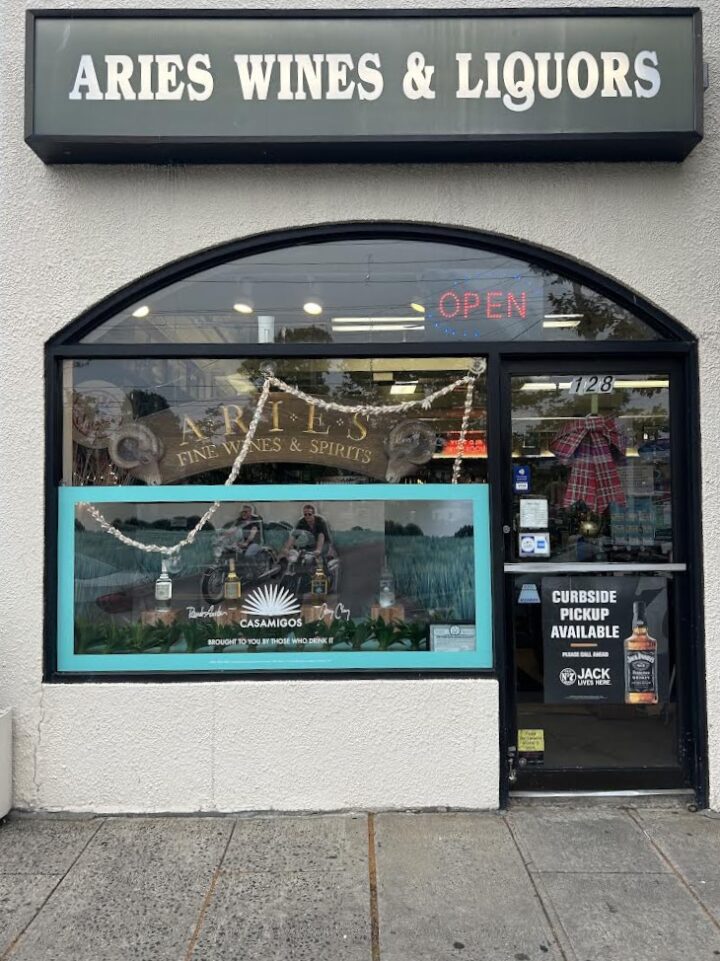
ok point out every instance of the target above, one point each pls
(86, 77)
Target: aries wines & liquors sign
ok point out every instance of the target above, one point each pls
(202, 86)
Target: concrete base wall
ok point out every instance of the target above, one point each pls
(268, 745)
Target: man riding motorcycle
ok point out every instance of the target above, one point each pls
(242, 541)
(244, 536)
(308, 545)
(310, 533)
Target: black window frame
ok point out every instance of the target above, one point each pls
(678, 347)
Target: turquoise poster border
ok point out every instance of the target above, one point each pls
(479, 659)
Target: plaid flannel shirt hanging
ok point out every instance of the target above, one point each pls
(590, 445)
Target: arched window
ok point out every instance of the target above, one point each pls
(372, 291)
(353, 537)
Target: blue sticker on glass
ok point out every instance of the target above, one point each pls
(521, 479)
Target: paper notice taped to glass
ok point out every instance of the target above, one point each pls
(533, 513)
(531, 739)
(452, 637)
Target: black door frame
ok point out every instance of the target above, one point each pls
(687, 628)
(677, 346)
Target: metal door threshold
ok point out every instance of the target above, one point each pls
(669, 792)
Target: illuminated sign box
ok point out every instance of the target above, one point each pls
(208, 86)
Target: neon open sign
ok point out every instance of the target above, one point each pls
(491, 304)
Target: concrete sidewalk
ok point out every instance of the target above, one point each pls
(539, 883)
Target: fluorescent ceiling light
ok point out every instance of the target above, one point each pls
(560, 323)
(242, 308)
(141, 311)
(379, 320)
(642, 383)
(380, 376)
(563, 316)
(545, 385)
(418, 307)
(403, 365)
(240, 383)
(312, 307)
(367, 328)
(409, 388)
(619, 384)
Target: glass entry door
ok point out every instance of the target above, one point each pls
(595, 576)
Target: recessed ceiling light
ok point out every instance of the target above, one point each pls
(563, 316)
(561, 323)
(242, 308)
(141, 311)
(418, 307)
(312, 307)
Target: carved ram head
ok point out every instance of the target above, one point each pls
(136, 449)
(408, 445)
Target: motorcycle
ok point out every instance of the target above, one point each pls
(252, 569)
(300, 563)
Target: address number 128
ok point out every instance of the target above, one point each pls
(592, 384)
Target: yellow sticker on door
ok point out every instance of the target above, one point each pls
(531, 740)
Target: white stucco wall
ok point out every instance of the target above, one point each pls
(72, 235)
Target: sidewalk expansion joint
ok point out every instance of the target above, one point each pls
(14, 943)
(192, 944)
(676, 871)
(560, 941)
(372, 874)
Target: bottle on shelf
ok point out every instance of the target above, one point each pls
(163, 588)
(386, 591)
(232, 587)
(640, 654)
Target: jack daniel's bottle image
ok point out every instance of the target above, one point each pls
(640, 651)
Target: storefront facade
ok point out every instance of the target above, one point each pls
(496, 586)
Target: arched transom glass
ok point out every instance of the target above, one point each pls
(373, 291)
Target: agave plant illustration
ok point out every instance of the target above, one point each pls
(415, 632)
(90, 637)
(197, 634)
(338, 632)
(359, 633)
(383, 632)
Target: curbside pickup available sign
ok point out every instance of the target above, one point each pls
(208, 86)
(587, 623)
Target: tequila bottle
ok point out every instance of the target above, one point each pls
(319, 582)
(232, 587)
(163, 588)
(386, 592)
(640, 651)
